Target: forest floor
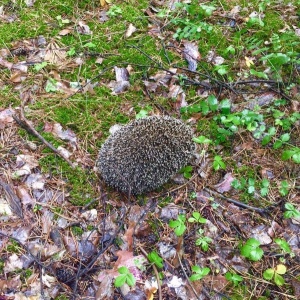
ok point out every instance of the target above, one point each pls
(227, 226)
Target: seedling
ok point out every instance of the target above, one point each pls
(283, 138)
(284, 188)
(251, 250)
(154, 258)
(40, 66)
(124, 277)
(218, 163)
(275, 274)
(187, 172)
(283, 244)
(203, 241)
(291, 211)
(251, 185)
(114, 11)
(234, 278)
(197, 218)
(202, 140)
(178, 225)
(199, 273)
(265, 183)
(292, 153)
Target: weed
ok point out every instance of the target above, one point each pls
(154, 258)
(178, 225)
(124, 277)
(251, 250)
(199, 273)
(275, 274)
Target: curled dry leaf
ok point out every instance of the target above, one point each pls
(191, 54)
(122, 81)
(57, 130)
(24, 164)
(35, 181)
(260, 233)
(65, 31)
(13, 263)
(225, 184)
(6, 117)
(82, 28)
(22, 233)
(5, 208)
(214, 59)
(23, 193)
(130, 30)
(90, 215)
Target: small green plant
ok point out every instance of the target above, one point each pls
(13, 247)
(291, 211)
(187, 172)
(234, 278)
(197, 218)
(284, 245)
(203, 241)
(178, 225)
(251, 250)
(251, 185)
(114, 11)
(38, 67)
(265, 183)
(77, 230)
(154, 258)
(51, 85)
(202, 140)
(292, 153)
(199, 273)
(218, 163)
(284, 188)
(124, 277)
(62, 21)
(37, 208)
(71, 51)
(275, 274)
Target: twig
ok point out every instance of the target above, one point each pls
(261, 211)
(15, 202)
(156, 274)
(189, 283)
(24, 123)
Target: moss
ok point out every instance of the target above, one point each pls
(77, 231)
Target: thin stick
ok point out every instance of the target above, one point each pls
(24, 123)
(261, 211)
(156, 274)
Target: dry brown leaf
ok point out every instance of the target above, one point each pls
(191, 54)
(130, 30)
(65, 31)
(225, 184)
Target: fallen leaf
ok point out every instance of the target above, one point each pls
(130, 30)
(191, 54)
(225, 184)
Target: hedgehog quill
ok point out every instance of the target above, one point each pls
(144, 154)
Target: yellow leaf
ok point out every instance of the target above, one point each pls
(102, 2)
(249, 62)
(281, 269)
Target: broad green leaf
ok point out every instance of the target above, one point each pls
(278, 279)
(285, 137)
(268, 274)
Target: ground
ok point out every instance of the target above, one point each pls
(226, 226)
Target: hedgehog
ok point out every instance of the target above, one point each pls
(144, 154)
